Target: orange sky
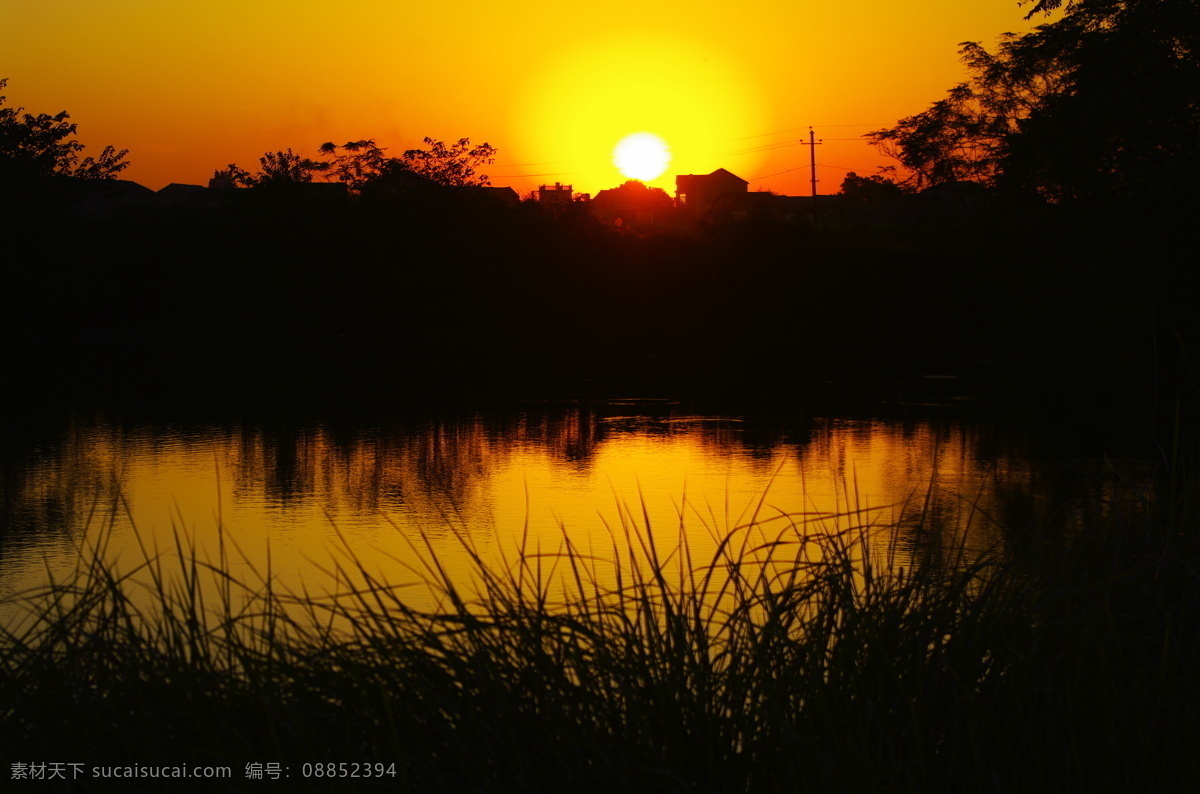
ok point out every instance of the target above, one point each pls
(189, 86)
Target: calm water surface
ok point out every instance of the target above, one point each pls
(304, 497)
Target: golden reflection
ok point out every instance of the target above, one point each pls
(289, 500)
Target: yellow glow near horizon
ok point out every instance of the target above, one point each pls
(694, 95)
(642, 155)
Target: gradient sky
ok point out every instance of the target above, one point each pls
(189, 86)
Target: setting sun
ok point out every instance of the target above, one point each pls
(642, 155)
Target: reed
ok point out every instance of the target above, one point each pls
(806, 653)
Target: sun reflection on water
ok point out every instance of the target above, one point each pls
(591, 476)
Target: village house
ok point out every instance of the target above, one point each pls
(698, 194)
(555, 194)
(177, 195)
(99, 198)
(488, 196)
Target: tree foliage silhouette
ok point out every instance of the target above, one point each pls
(634, 192)
(275, 169)
(42, 146)
(870, 189)
(965, 136)
(1100, 102)
(230, 177)
(364, 164)
(1045, 7)
(358, 163)
(452, 166)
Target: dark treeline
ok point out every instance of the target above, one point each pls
(451, 284)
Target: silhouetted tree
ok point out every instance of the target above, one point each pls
(1125, 123)
(275, 168)
(231, 177)
(870, 189)
(1044, 6)
(358, 163)
(624, 205)
(362, 164)
(964, 136)
(637, 193)
(41, 146)
(286, 168)
(452, 166)
(1100, 102)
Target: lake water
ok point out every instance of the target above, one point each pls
(305, 497)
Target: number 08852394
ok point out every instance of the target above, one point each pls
(348, 769)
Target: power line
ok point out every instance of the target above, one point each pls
(777, 173)
(535, 165)
(839, 167)
(537, 176)
(794, 129)
(762, 135)
(758, 149)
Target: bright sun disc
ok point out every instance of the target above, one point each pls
(642, 155)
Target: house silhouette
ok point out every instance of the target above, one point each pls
(557, 193)
(699, 194)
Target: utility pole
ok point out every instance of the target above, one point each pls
(812, 160)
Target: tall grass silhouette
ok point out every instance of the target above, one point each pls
(806, 653)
